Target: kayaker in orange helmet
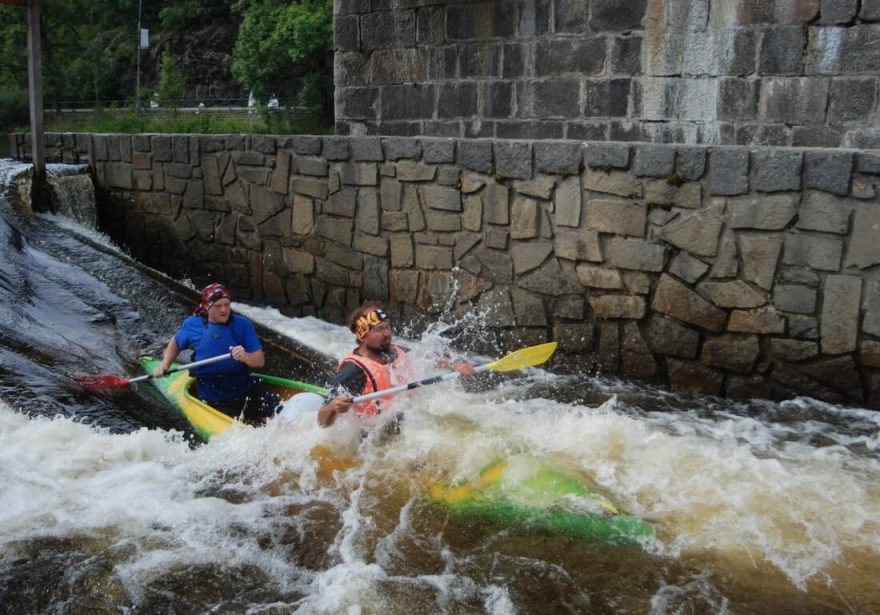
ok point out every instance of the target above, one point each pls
(376, 363)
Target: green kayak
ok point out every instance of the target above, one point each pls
(524, 492)
(534, 495)
(178, 387)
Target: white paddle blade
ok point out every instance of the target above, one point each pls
(301, 403)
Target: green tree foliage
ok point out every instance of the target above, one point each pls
(172, 83)
(281, 40)
(13, 69)
(14, 110)
(179, 16)
(185, 16)
(90, 48)
(13, 39)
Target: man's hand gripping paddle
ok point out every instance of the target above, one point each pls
(518, 359)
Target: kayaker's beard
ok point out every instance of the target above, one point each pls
(383, 347)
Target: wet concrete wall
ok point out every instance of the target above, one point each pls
(724, 270)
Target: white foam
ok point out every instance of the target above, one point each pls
(708, 482)
(323, 337)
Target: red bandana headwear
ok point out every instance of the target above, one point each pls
(211, 294)
(364, 324)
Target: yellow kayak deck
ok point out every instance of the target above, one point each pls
(177, 388)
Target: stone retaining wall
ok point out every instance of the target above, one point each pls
(745, 272)
(745, 72)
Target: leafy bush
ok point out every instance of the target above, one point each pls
(171, 82)
(14, 112)
(281, 40)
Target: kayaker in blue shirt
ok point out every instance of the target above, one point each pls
(228, 386)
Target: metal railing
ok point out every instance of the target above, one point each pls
(188, 104)
(70, 106)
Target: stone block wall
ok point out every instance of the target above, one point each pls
(737, 271)
(744, 72)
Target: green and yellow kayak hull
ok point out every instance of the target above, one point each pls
(535, 495)
(207, 421)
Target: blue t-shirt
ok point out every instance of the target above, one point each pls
(224, 379)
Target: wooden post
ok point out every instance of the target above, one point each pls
(36, 88)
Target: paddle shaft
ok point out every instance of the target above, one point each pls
(415, 385)
(524, 357)
(180, 368)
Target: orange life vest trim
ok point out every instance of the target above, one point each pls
(379, 376)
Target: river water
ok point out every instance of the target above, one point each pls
(110, 504)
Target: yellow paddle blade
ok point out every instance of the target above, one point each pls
(524, 357)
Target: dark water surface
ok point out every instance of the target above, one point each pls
(107, 504)
(71, 304)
